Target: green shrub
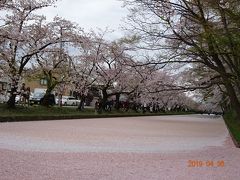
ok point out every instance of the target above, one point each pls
(233, 126)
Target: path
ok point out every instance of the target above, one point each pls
(119, 148)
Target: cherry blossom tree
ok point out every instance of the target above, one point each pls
(157, 91)
(116, 74)
(103, 64)
(54, 69)
(109, 64)
(84, 69)
(23, 35)
(55, 61)
(204, 33)
(129, 83)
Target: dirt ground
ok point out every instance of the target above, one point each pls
(163, 147)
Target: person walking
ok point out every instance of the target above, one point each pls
(22, 94)
(27, 96)
(96, 106)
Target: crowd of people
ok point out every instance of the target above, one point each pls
(134, 106)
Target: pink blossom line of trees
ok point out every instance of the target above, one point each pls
(67, 56)
(202, 35)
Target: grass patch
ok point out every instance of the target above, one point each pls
(233, 126)
(34, 113)
(40, 111)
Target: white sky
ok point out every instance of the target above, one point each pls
(90, 14)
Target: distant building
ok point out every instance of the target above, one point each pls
(36, 83)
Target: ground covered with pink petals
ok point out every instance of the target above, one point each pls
(165, 147)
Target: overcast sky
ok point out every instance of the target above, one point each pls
(90, 14)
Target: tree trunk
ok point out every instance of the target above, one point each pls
(11, 102)
(104, 100)
(48, 99)
(233, 98)
(81, 104)
(117, 105)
